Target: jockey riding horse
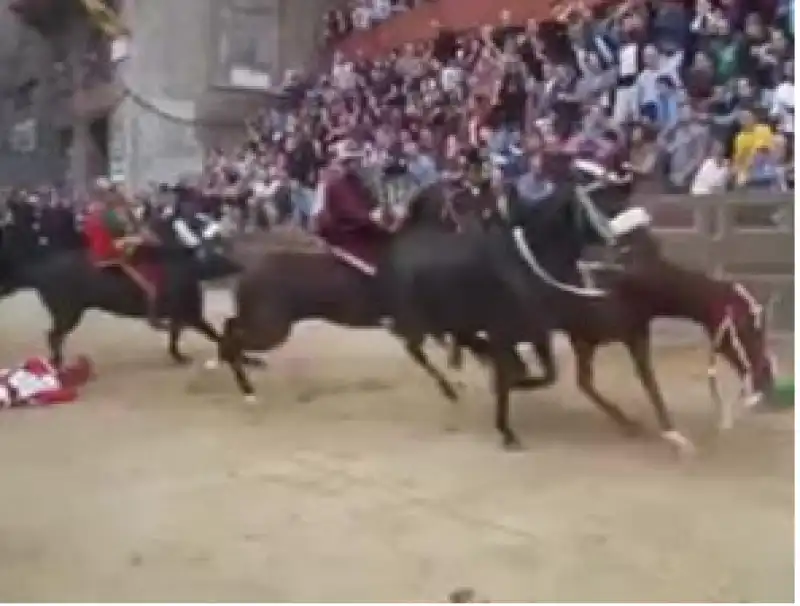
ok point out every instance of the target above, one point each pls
(349, 217)
(114, 238)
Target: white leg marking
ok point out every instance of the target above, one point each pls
(753, 399)
(211, 364)
(679, 441)
(725, 412)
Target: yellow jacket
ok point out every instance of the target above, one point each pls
(745, 145)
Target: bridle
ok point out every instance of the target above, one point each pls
(726, 328)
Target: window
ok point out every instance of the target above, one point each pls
(247, 43)
(22, 138)
(64, 142)
(24, 94)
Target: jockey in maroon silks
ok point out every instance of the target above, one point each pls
(348, 216)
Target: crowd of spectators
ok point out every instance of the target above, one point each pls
(695, 99)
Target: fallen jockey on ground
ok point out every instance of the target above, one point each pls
(37, 382)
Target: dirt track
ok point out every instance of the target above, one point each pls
(344, 485)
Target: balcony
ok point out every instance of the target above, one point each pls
(45, 16)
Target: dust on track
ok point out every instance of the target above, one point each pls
(344, 484)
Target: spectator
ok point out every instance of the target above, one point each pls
(532, 187)
(664, 111)
(714, 174)
(782, 110)
(768, 168)
(421, 166)
(725, 51)
(643, 150)
(752, 137)
(581, 84)
(647, 88)
(685, 145)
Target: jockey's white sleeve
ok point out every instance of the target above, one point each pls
(185, 235)
(319, 199)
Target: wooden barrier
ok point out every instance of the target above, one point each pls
(746, 236)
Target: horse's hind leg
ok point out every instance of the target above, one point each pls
(502, 382)
(480, 348)
(584, 361)
(231, 351)
(202, 326)
(64, 322)
(639, 350)
(414, 349)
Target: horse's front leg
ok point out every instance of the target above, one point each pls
(175, 332)
(231, 352)
(639, 350)
(64, 322)
(584, 366)
(503, 380)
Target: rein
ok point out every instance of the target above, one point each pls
(524, 250)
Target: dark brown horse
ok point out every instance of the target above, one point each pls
(290, 276)
(642, 285)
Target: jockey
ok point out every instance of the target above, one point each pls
(348, 215)
(113, 238)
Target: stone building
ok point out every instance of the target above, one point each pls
(144, 108)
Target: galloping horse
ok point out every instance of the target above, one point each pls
(642, 285)
(285, 286)
(68, 285)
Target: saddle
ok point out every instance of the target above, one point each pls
(146, 275)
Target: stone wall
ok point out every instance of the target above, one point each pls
(26, 57)
(188, 61)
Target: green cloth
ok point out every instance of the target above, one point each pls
(114, 224)
(727, 59)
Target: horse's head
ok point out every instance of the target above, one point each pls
(741, 337)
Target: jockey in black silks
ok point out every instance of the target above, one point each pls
(196, 234)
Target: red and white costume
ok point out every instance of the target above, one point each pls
(37, 382)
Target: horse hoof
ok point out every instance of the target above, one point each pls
(512, 445)
(250, 400)
(180, 359)
(681, 443)
(211, 364)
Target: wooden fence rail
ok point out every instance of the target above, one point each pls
(746, 236)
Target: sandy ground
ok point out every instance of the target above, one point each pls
(344, 485)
